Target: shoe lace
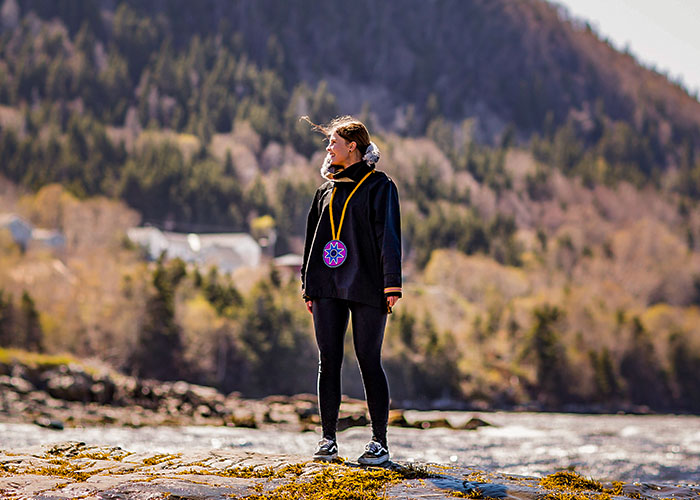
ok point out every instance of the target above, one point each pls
(326, 443)
(374, 447)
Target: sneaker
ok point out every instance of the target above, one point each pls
(327, 450)
(375, 454)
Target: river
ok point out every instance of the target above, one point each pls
(632, 448)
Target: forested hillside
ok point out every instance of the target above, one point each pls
(549, 186)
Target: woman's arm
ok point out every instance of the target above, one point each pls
(311, 224)
(388, 232)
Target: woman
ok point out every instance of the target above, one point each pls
(352, 267)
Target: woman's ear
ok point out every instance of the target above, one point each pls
(352, 146)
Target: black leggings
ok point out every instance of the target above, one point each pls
(330, 322)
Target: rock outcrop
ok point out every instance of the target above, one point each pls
(58, 395)
(74, 470)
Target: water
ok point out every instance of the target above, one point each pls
(654, 449)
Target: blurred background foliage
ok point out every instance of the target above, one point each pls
(549, 186)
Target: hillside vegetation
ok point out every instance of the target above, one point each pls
(549, 189)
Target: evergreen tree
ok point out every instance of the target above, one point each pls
(277, 346)
(605, 378)
(224, 297)
(545, 346)
(158, 353)
(685, 363)
(422, 358)
(33, 335)
(438, 376)
(645, 379)
(137, 36)
(7, 320)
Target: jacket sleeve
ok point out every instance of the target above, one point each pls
(388, 232)
(311, 224)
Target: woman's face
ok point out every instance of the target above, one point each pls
(340, 150)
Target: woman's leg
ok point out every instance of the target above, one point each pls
(330, 323)
(368, 325)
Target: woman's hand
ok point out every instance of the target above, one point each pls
(391, 300)
(309, 306)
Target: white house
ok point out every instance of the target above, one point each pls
(227, 251)
(290, 261)
(24, 234)
(20, 229)
(151, 239)
(48, 238)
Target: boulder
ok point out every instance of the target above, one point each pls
(307, 411)
(69, 387)
(242, 419)
(49, 423)
(352, 420)
(397, 418)
(436, 423)
(474, 423)
(16, 384)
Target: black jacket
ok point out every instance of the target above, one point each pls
(371, 231)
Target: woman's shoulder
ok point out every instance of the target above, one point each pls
(381, 179)
(326, 186)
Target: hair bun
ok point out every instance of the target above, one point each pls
(372, 154)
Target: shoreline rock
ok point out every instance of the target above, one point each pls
(74, 470)
(69, 395)
(57, 391)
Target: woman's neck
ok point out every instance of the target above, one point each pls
(352, 158)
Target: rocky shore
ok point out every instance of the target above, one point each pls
(53, 393)
(74, 470)
(60, 393)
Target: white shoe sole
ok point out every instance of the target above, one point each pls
(326, 458)
(374, 461)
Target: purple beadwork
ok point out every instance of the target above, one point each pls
(334, 253)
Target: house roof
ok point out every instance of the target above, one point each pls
(289, 260)
(192, 247)
(8, 218)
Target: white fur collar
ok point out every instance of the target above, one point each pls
(329, 175)
(371, 157)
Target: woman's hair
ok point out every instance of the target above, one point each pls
(347, 127)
